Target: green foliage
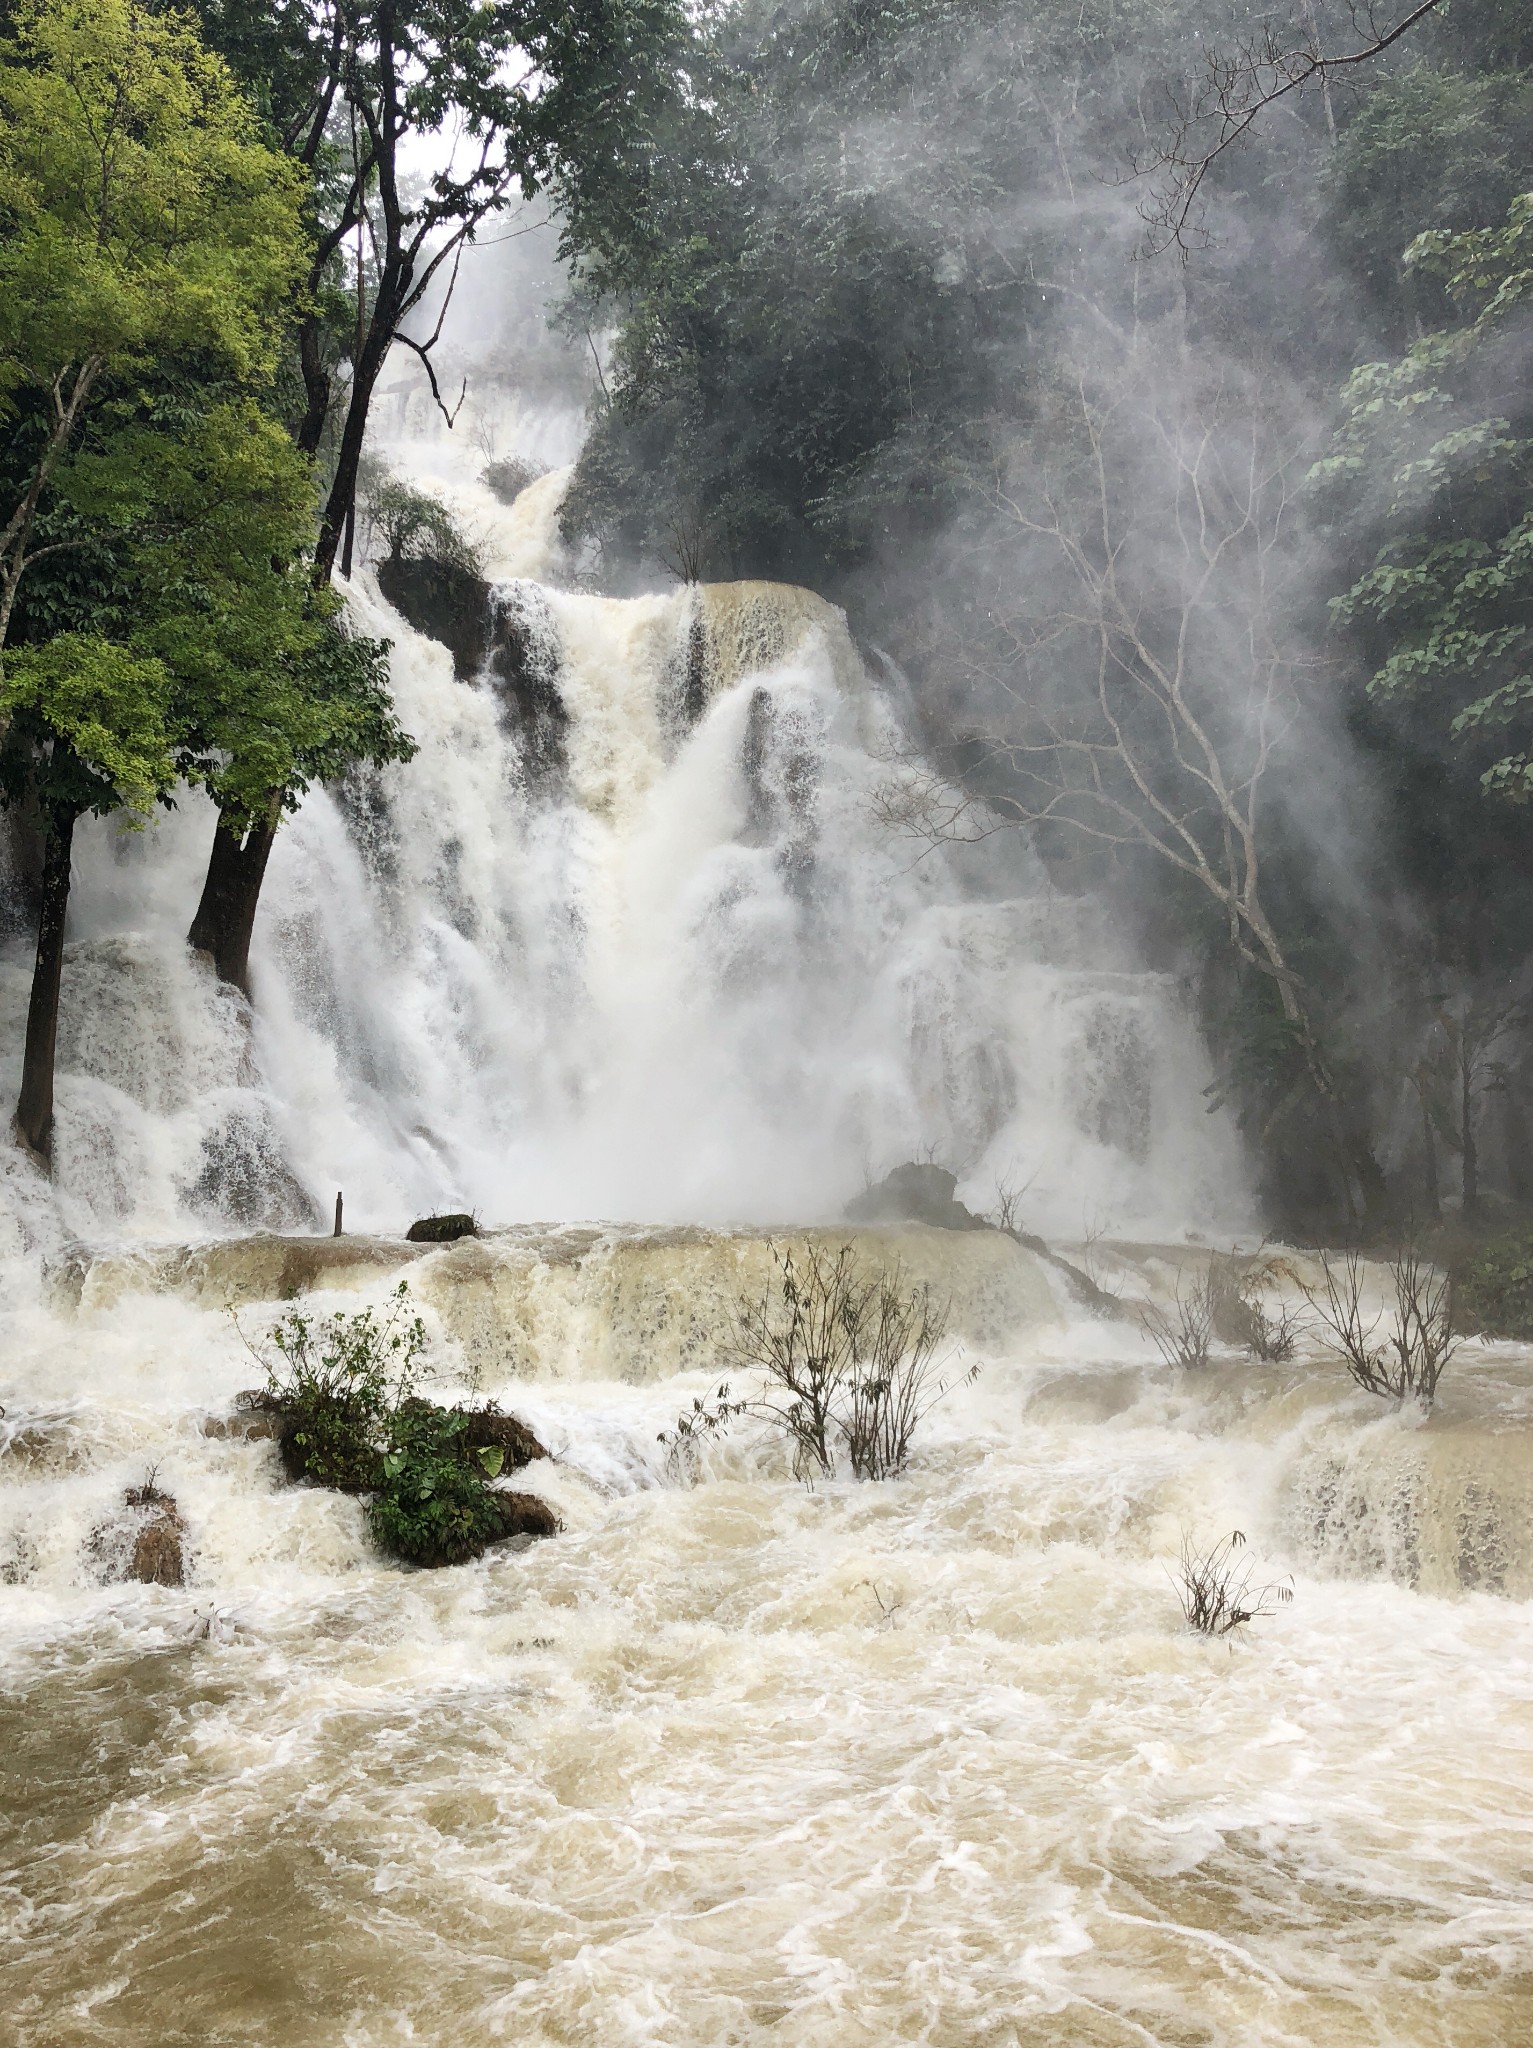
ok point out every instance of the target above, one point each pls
(1436, 148)
(1435, 450)
(89, 726)
(414, 525)
(1493, 1288)
(338, 1383)
(433, 1505)
(142, 213)
(347, 1389)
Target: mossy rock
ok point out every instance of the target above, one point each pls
(487, 1429)
(1493, 1288)
(441, 1229)
(446, 602)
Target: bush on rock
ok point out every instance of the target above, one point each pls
(345, 1392)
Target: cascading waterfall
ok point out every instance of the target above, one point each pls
(626, 940)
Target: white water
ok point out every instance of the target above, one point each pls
(734, 1763)
(739, 1762)
(688, 978)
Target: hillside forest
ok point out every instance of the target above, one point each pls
(1151, 381)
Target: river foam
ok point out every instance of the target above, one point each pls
(739, 1760)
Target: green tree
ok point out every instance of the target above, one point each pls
(349, 89)
(139, 216)
(161, 618)
(88, 729)
(1435, 452)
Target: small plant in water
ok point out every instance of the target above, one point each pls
(1418, 1341)
(849, 1361)
(707, 1419)
(336, 1380)
(1237, 1289)
(1216, 1590)
(1183, 1333)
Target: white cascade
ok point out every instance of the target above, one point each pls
(624, 940)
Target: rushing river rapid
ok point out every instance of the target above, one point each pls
(732, 1759)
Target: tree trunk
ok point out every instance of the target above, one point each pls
(343, 487)
(1470, 1206)
(34, 1108)
(226, 915)
(1429, 1151)
(316, 384)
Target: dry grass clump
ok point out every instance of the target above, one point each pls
(1184, 1333)
(1238, 1292)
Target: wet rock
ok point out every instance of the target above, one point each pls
(523, 670)
(255, 1418)
(525, 1515)
(441, 1229)
(915, 1194)
(509, 476)
(147, 1542)
(487, 1429)
(445, 602)
(243, 1178)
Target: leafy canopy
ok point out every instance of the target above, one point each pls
(141, 211)
(1435, 450)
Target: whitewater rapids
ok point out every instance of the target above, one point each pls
(744, 1762)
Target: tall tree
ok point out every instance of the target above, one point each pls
(160, 618)
(87, 729)
(359, 93)
(141, 216)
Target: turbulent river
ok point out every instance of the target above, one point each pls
(731, 1759)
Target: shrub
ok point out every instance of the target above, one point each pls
(352, 1419)
(1182, 1335)
(1493, 1289)
(1216, 1591)
(509, 475)
(335, 1381)
(1241, 1316)
(1419, 1341)
(432, 1505)
(849, 1361)
(703, 1421)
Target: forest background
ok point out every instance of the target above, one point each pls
(1198, 524)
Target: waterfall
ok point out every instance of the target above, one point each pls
(624, 940)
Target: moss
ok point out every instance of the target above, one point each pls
(1493, 1288)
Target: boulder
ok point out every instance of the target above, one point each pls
(444, 601)
(915, 1194)
(441, 1229)
(509, 475)
(147, 1542)
(524, 1514)
(488, 1429)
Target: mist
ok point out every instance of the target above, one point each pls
(766, 961)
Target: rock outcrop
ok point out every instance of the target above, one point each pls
(915, 1194)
